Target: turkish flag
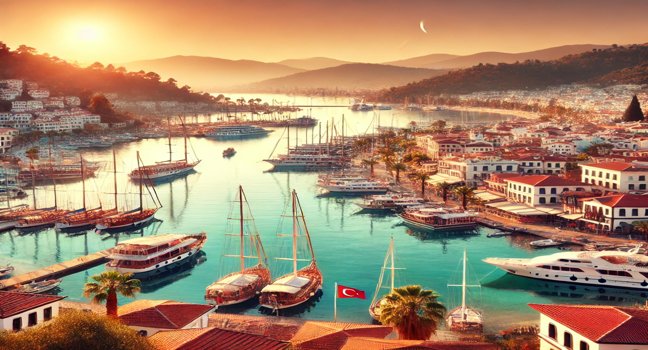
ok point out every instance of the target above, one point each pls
(348, 292)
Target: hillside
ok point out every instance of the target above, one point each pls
(353, 76)
(210, 73)
(312, 63)
(63, 78)
(436, 61)
(601, 66)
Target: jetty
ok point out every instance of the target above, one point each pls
(58, 270)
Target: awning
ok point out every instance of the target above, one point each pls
(488, 196)
(441, 178)
(571, 216)
(523, 210)
(289, 284)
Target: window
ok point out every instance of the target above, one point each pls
(509, 168)
(583, 346)
(47, 313)
(614, 177)
(485, 168)
(614, 186)
(17, 323)
(635, 212)
(607, 175)
(32, 319)
(586, 172)
(542, 191)
(607, 211)
(631, 186)
(552, 331)
(552, 200)
(642, 178)
(553, 190)
(642, 186)
(568, 342)
(543, 200)
(622, 212)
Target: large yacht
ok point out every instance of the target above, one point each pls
(606, 268)
(439, 218)
(238, 131)
(149, 256)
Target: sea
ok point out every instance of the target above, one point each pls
(349, 246)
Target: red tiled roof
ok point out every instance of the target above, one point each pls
(12, 303)
(164, 314)
(602, 324)
(357, 343)
(333, 335)
(213, 338)
(545, 180)
(618, 166)
(623, 200)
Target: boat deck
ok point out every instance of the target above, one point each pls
(58, 270)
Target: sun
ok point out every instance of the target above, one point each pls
(87, 32)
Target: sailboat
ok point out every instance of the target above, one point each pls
(464, 318)
(379, 300)
(128, 220)
(245, 284)
(300, 285)
(167, 169)
(82, 219)
(42, 218)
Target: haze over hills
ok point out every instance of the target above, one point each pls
(210, 73)
(352, 76)
(313, 63)
(445, 61)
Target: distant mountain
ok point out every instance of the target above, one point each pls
(436, 61)
(313, 63)
(210, 73)
(615, 65)
(353, 76)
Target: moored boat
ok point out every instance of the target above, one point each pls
(301, 284)
(436, 219)
(6, 270)
(150, 256)
(464, 318)
(237, 131)
(354, 187)
(378, 299)
(39, 287)
(545, 243)
(247, 283)
(229, 152)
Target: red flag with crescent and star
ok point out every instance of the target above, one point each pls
(348, 292)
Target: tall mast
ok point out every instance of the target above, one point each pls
(296, 136)
(115, 177)
(391, 249)
(170, 151)
(184, 132)
(83, 182)
(33, 176)
(294, 231)
(463, 288)
(288, 133)
(241, 227)
(6, 180)
(55, 197)
(328, 150)
(141, 207)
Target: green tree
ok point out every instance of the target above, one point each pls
(76, 330)
(371, 162)
(633, 113)
(107, 285)
(420, 176)
(444, 187)
(641, 226)
(32, 153)
(465, 193)
(398, 167)
(413, 311)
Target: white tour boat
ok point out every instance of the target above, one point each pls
(437, 219)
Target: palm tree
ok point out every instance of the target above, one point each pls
(444, 187)
(641, 226)
(399, 166)
(413, 311)
(465, 193)
(107, 285)
(420, 176)
(370, 162)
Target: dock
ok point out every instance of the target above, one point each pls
(58, 270)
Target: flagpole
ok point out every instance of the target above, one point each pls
(335, 304)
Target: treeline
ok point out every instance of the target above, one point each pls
(63, 78)
(616, 65)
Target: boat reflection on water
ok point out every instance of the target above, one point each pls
(172, 276)
(441, 237)
(295, 310)
(560, 292)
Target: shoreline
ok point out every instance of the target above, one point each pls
(511, 112)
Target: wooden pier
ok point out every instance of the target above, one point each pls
(58, 270)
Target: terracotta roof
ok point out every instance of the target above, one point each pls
(213, 338)
(618, 166)
(164, 314)
(332, 335)
(623, 200)
(280, 328)
(12, 303)
(358, 343)
(602, 324)
(545, 180)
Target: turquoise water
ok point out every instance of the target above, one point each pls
(349, 247)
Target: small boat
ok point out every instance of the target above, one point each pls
(498, 234)
(464, 318)
(39, 287)
(378, 299)
(229, 152)
(6, 270)
(246, 284)
(300, 285)
(545, 243)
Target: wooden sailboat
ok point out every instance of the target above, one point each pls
(83, 219)
(10, 215)
(128, 220)
(168, 169)
(245, 284)
(302, 284)
(464, 318)
(379, 299)
(45, 217)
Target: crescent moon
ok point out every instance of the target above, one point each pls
(344, 292)
(422, 25)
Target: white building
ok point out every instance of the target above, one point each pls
(9, 94)
(6, 138)
(15, 84)
(542, 164)
(15, 120)
(72, 101)
(534, 190)
(617, 176)
(611, 213)
(591, 327)
(560, 147)
(473, 171)
(21, 310)
(38, 93)
(151, 316)
(26, 106)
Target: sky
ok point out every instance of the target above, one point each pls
(118, 31)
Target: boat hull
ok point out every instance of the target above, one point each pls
(161, 268)
(167, 174)
(456, 227)
(7, 225)
(126, 227)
